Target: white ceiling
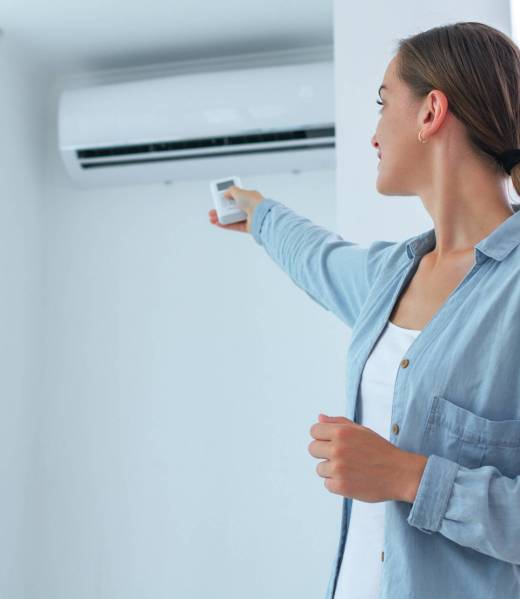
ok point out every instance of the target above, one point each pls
(72, 36)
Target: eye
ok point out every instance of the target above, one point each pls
(380, 103)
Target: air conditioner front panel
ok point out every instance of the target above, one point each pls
(246, 121)
(191, 106)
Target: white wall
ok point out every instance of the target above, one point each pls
(22, 86)
(164, 453)
(183, 371)
(365, 37)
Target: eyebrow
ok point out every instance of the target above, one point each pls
(380, 88)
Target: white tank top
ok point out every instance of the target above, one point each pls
(360, 572)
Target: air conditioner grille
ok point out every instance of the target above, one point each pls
(208, 142)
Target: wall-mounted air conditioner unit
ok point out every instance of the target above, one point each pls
(200, 126)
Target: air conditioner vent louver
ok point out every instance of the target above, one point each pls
(208, 142)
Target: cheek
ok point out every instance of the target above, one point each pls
(396, 140)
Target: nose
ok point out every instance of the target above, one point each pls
(374, 142)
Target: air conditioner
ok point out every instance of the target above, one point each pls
(200, 126)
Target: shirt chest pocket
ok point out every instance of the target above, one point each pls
(464, 437)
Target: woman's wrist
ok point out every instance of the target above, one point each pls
(250, 211)
(413, 468)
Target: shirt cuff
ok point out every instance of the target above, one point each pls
(433, 493)
(260, 212)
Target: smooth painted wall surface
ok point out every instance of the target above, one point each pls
(160, 375)
(183, 371)
(22, 124)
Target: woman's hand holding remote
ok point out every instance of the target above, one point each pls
(246, 200)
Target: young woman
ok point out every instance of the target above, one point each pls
(428, 457)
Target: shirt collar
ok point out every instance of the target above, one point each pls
(496, 245)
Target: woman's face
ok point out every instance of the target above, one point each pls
(399, 169)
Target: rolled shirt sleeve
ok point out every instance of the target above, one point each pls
(474, 507)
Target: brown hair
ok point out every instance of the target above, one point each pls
(477, 67)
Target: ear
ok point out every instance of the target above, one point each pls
(433, 112)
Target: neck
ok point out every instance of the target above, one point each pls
(466, 202)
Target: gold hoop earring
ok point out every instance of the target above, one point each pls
(421, 139)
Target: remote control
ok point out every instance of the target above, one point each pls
(227, 210)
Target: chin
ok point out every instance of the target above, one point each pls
(383, 187)
(390, 188)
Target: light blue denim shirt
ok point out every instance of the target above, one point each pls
(456, 400)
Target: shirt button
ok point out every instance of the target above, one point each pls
(405, 362)
(395, 429)
(382, 556)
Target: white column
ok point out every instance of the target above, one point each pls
(365, 38)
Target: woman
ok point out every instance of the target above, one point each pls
(429, 462)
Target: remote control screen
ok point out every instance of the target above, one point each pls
(224, 185)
